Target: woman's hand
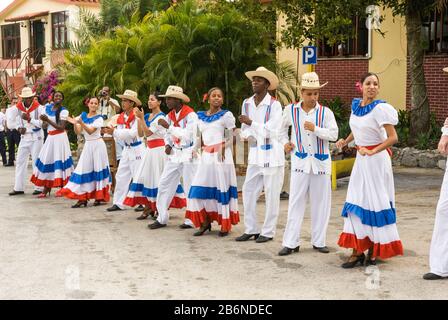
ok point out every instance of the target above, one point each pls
(139, 114)
(341, 143)
(44, 117)
(289, 147)
(443, 145)
(71, 120)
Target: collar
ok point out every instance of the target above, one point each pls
(202, 115)
(87, 120)
(316, 107)
(266, 100)
(360, 111)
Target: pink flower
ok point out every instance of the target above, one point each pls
(358, 86)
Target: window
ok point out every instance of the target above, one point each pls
(358, 46)
(11, 41)
(59, 21)
(435, 32)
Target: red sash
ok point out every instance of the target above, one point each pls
(155, 143)
(213, 148)
(185, 111)
(33, 107)
(389, 150)
(55, 132)
(128, 122)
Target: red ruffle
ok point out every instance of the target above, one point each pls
(384, 251)
(199, 217)
(102, 194)
(59, 182)
(176, 203)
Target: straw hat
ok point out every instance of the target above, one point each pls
(27, 93)
(264, 73)
(130, 95)
(175, 92)
(445, 69)
(310, 80)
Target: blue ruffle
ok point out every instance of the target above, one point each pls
(212, 193)
(202, 115)
(148, 123)
(50, 112)
(359, 111)
(52, 167)
(148, 192)
(371, 218)
(88, 120)
(94, 176)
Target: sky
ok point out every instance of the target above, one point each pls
(4, 4)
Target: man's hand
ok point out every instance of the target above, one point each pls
(26, 116)
(309, 126)
(163, 123)
(44, 117)
(289, 147)
(245, 119)
(443, 145)
(22, 130)
(341, 144)
(168, 148)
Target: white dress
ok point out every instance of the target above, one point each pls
(213, 191)
(144, 187)
(54, 165)
(369, 211)
(91, 178)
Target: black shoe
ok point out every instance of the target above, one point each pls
(284, 195)
(432, 276)
(98, 203)
(286, 251)
(201, 231)
(156, 225)
(36, 192)
(245, 237)
(185, 226)
(352, 264)
(262, 239)
(139, 208)
(223, 234)
(114, 208)
(14, 193)
(321, 249)
(9, 165)
(80, 204)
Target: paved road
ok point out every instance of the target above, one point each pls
(50, 251)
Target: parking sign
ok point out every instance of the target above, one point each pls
(309, 55)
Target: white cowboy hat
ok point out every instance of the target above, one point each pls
(264, 73)
(175, 92)
(27, 93)
(130, 95)
(310, 80)
(445, 69)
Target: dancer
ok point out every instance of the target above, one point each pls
(91, 178)
(213, 195)
(369, 211)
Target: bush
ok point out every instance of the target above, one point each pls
(341, 113)
(425, 140)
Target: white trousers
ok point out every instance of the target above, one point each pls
(26, 148)
(438, 255)
(169, 180)
(129, 164)
(318, 189)
(272, 181)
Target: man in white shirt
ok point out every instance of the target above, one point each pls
(438, 254)
(313, 126)
(12, 135)
(108, 106)
(3, 135)
(261, 123)
(180, 141)
(26, 117)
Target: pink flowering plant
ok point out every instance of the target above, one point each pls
(45, 86)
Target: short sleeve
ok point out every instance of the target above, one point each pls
(98, 123)
(154, 126)
(63, 115)
(229, 120)
(386, 114)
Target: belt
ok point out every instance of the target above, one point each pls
(389, 150)
(155, 143)
(55, 132)
(134, 144)
(213, 148)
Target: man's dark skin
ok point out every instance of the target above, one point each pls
(260, 89)
(25, 116)
(107, 98)
(172, 103)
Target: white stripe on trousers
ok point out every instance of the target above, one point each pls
(169, 180)
(318, 189)
(123, 177)
(272, 181)
(26, 148)
(438, 255)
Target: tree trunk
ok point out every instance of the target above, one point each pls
(420, 115)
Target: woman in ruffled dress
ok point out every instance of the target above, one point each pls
(91, 178)
(369, 211)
